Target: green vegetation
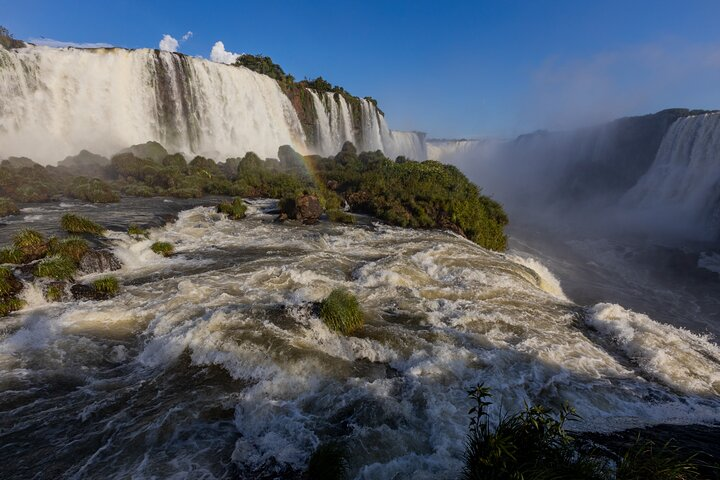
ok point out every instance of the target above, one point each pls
(11, 255)
(534, 444)
(163, 248)
(643, 460)
(8, 207)
(328, 462)
(54, 293)
(76, 224)
(10, 304)
(137, 232)
(72, 247)
(91, 190)
(235, 210)
(8, 283)
(405, 193)
(107, 286)
(341, 312)
(55, 267)
(31, 243)
(340, 216)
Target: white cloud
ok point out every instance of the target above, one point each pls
(49, 42)
(220, 55)
(187, 36)
(168, 44)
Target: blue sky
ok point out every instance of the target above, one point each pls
(452, 69)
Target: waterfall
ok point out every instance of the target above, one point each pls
(55, 102)
(683, 183)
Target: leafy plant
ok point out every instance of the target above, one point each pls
(76, 224)
(646, 460)
(162, 248)
(341, 312)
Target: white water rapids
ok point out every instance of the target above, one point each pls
(212, 363)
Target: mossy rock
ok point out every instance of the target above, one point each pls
(340, 216)
(9, 284)
(76, 224)
(341, 312)
(72, 247)
(56, 292)
(56, 267)
(10, 304)
(91, 190)
(235, 210)
(137, 232)
(8, 207)
(165, 249)
(31, 243)
(107, 286)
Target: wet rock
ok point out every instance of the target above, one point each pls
(95, 261)
(305, 208)
(81, 291)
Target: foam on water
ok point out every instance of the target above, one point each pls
(442, 315)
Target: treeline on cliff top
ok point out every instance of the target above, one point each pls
(402, 192)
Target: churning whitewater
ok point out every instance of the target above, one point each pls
(58, 101)
(213, 362)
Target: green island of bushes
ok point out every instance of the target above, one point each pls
(400, 192)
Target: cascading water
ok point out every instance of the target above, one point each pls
(684, 180)
(56, 102)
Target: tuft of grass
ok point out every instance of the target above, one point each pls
(54, 293)
(645, 460)
(235, 210)
(72, 247)
(31, 243)
(340, 216)
(11, 255)
(9, 285)
(328, 462)
(76, 224)
(9, 305)
(341, 312)
(137, 232)
(108, 286)
(56, 267)
(163, 248)
(8, 207)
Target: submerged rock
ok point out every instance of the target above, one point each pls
(96, 261)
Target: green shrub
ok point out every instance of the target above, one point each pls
(341, 312)
(328, 462)
(77, 224)
(163, 248)
(136, 231)
(11, 255)
(9, 305)
(8, 207)
(72, 247)
(54, 293)
(235, 210)
(91, 190)
(340, 216)
(56, 267)
(645, 460)
(31, 243)
(108, 286)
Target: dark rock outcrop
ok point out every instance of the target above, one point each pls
(81, 291)
(96, 261)
(305, 208)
